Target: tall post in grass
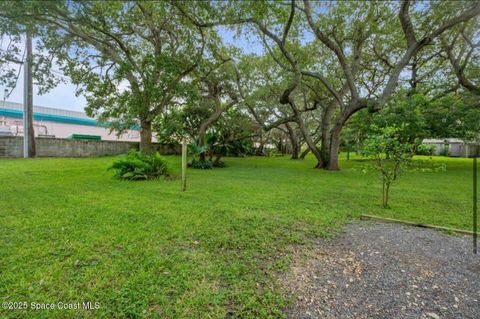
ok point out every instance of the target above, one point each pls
(28, 133)
(475, 219)
(184, 165)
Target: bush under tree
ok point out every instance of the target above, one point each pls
(138, 166)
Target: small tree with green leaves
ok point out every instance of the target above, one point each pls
(391, 153)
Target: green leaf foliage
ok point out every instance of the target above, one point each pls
(137, 166)
(390, 153)
(199, 164)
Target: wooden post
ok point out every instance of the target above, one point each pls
(184, 165)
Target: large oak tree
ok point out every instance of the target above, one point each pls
(131, 59)
(371, 44)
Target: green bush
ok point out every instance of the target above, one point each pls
(196, 151)
(446, 150)
(426, 149)
(200, 164)
(218, 163)
(137, 166)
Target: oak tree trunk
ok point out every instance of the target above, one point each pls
(202, 131)
(331, 144)
(307, 150)
(146, 137)
(304, 153)
(294, 141)
(201, 141)
(308, 139)
(334, 148)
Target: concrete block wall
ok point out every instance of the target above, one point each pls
(12, 146)
(471, 150)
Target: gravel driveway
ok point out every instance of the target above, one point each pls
(381, 270)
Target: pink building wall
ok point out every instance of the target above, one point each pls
(11, 123)
(64, 130)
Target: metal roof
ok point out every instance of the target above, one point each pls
(45, 110)
(443, 141)
(42, 113)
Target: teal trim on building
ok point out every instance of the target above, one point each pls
(85, 137)
(53, 118)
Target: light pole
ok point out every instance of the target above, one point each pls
(5, 92)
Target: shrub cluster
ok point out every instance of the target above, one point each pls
(219, 164)
(426, 149)
(199, 164)
(138, 166)
(195, 163)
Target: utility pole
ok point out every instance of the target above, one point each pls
(5, 92)
(28, 132)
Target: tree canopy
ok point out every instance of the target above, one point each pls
(167, 64)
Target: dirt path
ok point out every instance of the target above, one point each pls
(378, 270)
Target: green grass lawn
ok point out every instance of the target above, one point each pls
(70, 232)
